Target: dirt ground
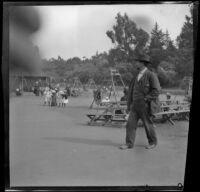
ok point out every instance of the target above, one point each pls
(51, 146)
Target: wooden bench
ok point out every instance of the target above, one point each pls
(116, 113)
(112, 113)
(101, 117)
(168, 115)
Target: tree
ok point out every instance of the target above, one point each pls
(169, 47)
(184, 65)
(127, 38)
(157, 45)
(163, 55)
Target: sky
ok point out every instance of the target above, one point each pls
(80, 30)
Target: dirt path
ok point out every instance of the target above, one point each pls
(52, 146)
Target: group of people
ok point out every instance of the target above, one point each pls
(55, 97)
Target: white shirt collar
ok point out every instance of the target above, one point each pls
(143, 70)
(141, 74)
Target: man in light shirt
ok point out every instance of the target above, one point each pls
(142, 103)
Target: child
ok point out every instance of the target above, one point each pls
(59, 98)
(168, 96)
(18, 92)
(47, 96)
(124, 97)
(65, 99)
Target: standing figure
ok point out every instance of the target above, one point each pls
(49, 97)
(168, 98)
(98, 94)
(65, 99)
(68, 90)
(142, 103)
(59, 98)
(18, 92)
(41, 90)
(124, 97)
(36, 89)
(46, 96)
(53, 101)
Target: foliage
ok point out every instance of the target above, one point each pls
(184, 66)
(127, 38)
(170, 62)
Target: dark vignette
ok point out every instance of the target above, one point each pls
(191, 160)
(5, 92)
(191, 165)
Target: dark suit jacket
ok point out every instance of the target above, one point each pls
(151, 89)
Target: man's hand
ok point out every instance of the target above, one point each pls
(127, 116)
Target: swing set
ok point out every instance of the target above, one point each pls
(91, 84)
(108, 93)
(77, 88)
(110, 110)
(26, 83)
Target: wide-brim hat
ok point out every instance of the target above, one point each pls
(143, 57)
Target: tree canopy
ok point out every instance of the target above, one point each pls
(171, 60)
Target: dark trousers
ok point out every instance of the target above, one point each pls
(138, 111)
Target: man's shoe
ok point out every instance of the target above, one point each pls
(150, 146)
(125, 147)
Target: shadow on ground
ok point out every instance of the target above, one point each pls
(87, 141)
(83, 141)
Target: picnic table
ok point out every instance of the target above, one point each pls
(170, 112)
(116, 113)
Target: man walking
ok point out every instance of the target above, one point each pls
(142, 103)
